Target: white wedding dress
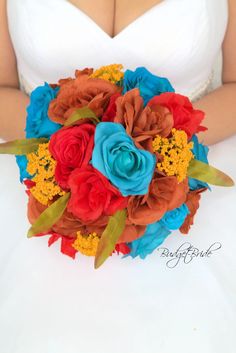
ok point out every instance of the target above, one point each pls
(52, 304)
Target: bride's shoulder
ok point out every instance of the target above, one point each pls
(229, 49)
(8, 70)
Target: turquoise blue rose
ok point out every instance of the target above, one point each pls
(115, 155)
(154, 236)
(38, 123)
(148, 84)
(22, 164)
(174, 219)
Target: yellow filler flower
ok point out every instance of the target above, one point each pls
(42, 166)
(112, 73)
(176, 153)
(86, 244)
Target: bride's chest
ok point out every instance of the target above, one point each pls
(114, 15)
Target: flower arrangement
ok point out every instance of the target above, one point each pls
(111, 162)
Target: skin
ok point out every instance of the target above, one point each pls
(219, 105)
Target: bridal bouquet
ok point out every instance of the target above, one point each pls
(112, 162)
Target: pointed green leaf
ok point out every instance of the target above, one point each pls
(81, 113)
(50, 216)
(21, 147)
(111, 234)
(208, 174)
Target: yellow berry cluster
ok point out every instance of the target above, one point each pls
(42, 166)
(86, 244)
(176, 153)
(112, 73)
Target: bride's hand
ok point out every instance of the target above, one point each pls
(13, 102)
(219, 105)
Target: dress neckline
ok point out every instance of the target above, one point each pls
(133, 23)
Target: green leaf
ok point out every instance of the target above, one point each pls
(111, 234)
(50, 216)
(81, 113)
(208, 174)
(21, 147)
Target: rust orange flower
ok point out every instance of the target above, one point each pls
(35, 208)
(165, 194)
(131, 232)
(142, 123)
(67, 225)
(192, 202)
(79, 92)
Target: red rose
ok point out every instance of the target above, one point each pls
(185, 116)
(72, 148)
(110, 112)
(92, 195)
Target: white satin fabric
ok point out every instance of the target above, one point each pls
(52, 304)
(178, 39)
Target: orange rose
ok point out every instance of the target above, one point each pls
(165, 194)
(35, 208)
(79, 92)
(192, 202)
(97, 226)
(67, 225)
(131, 232)
(143, 124)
